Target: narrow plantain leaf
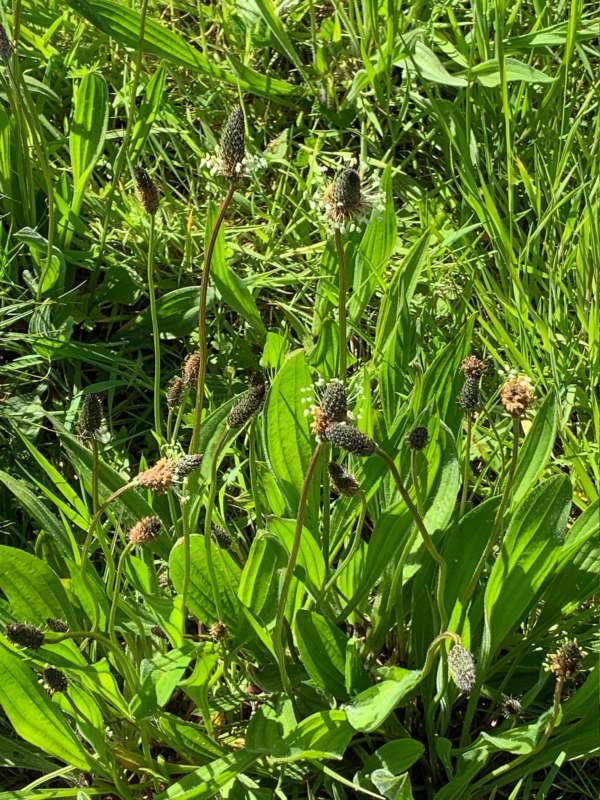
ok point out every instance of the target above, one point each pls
(536, 448)
(34, 716)
(372, 707)
(322, 648)
(88, 132)
(288, 441)
(526, 559)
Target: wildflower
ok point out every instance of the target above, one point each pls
(54, 680)
(516, 396)
(462, 668)
(565, 662)
(144, 530)
(347, 437)
(342, 480)
(349, 199)
(6, 48)
(417, 438)
(24, 635)
(147, 191)
(472, 367)
(249, 405)
(90, 416)
(222, 538)
(233, 145)
(174, 392)
(334, 401)
(511, 707)
(57, 625)
(468, 398)
(167, 472)
(218, 631)
(190, 369)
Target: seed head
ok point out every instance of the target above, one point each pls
(462, 668)
(511, 707)
(167, 472)
(90, 416)
(147, 191)
(222, 538)
(417, 438)
(250, 403)
(233, 147)
(218, 631)
(468, 399)
(516, 396)
(566, 661)
(54, 680)
(343, 198)
(472, 367)
(144, 531)
(190, 369)
(24, 635)
(347, 437)
(156, 630)
(174, 392)
(57, 625)
(185, 465)
(342, 480)
(6, 48)
(334, 401)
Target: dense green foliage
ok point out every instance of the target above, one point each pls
(417, 620)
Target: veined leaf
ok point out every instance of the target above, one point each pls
(288, 441)
(372, 707)
(208, 780)
(526, 559)
(88, 131)
(34, 716)
(535, 450)
(322, 648)
(489, 74)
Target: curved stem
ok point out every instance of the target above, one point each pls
(202, 318)
(467, 468)
(497, 526)
(125, 667)
(342, 297)
(287, 580)
(326, 493)
(427, 540)
(119, 161)
(155, 331)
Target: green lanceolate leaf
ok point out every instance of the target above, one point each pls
(372, 707)
(32, 588)
(288, 440)
(259, 580)
(526, 559)
(88, 132)
(208, 780)
(34, 716)
(201, 601)
(322, 648)
(535, 450)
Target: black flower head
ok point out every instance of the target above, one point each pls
(250, 403)
(147, 191)
(24, 635)
(90, 416)
(233, 145)
(349, 438)
(417, 438)
(342, 480)
(334, 401)
(469, 395)
(54, 680)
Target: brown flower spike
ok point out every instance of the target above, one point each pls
(516, 396)
(144, 531)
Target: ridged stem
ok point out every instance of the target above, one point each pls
(203, 349)
(155, 331)
(291, 565)
(427, 540)
(466, 468)
(342, 298)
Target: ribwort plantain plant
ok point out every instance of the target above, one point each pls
(391, 592)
